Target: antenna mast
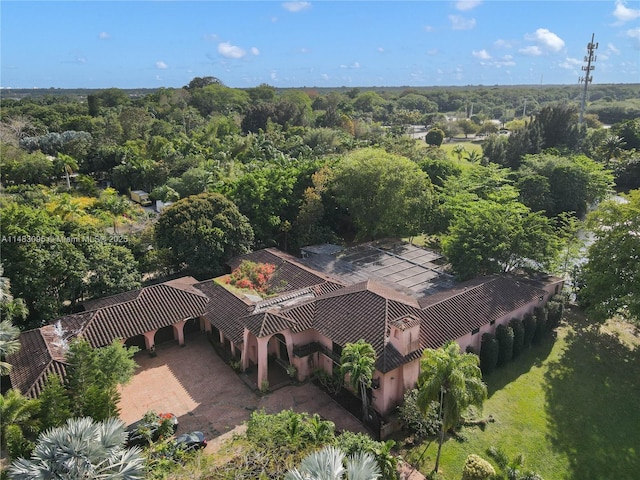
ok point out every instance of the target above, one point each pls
(588, 78)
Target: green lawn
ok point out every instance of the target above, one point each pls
(570, 405)
(468, 146)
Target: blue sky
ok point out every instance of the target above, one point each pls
(132, 44)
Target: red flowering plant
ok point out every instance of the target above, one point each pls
(252, 276)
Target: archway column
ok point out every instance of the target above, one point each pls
(263, 360)
(178, 331)
(149, 339)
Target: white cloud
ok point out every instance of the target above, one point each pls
(634, 34)
(502, 44)
(353, 65)
(432, 51)
(273, 75)
(380, 49)
(531, 51)
(161, 65)
(461, 23)
(230, 51)
(325, 76)
(624, 14)
(481, 54)
(255, 51)
(570, 63)
(104, 36)
(546, 39)
(428, 28)
(304, 50)
(467, 4)
(296, 6)
(611, 48)
(211, 37)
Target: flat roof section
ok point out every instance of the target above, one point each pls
(413, 270)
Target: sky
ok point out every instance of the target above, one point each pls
(150, 44)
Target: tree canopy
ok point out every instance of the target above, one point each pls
(204, 231)
(611, 277)
(384, 194)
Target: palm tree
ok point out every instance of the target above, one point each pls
(359, 361)
(611, 147)
(9, 342)
(329, 464)
(68, 164)
(83, 448)
(454, 380)
(474, 156)
(19, 424)
(459, 150)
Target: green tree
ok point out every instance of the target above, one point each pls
(9, 344)
(385, 194)
(203, 232)
(93, 377)
(329, 464)
(435, 136)
(459, 151)
(491, 237)
(68, 165)
(358, 360)
(55, 405)
(611, 278)
(477, 468)
(111, 269)
(83, 448)
(20, 425)
(454, 380)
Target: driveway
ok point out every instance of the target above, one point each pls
(207, 395)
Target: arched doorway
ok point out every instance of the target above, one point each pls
(137, 341)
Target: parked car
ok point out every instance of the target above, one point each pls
(150, 428)
(191, 441)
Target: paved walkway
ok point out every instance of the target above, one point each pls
(207, 395)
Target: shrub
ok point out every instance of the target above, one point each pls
(518, 336)
(555, 308)
(489, 350)
(529, 322)
(352, 443)
(252, 276)
(541, 324)
(477, 468)
(419, 424)
(435, 136)
(504, 335)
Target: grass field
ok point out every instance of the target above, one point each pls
(570, 405)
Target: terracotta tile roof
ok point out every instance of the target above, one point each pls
(391, 359)
(225, 310)
(111, 300)
(39, 356)
(266, 323)
(155, 307)
(290, 274)
(450, 315)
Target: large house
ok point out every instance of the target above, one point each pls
(395, 296)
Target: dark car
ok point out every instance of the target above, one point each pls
(148, 428)
(191, 441)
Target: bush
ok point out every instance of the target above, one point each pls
(541, 315)
(477, 468)
(351, 443)
(489, 351)
(529, 322)
(518, 336)
(555, 309)
(435, 136)
(420, 425)
(504, 335)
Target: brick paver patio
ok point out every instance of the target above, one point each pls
(207, 395)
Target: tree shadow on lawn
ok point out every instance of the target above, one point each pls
(534, 356)
(592, 395)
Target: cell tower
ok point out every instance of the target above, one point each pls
(587, 79)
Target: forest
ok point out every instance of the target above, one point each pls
(502, 181)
